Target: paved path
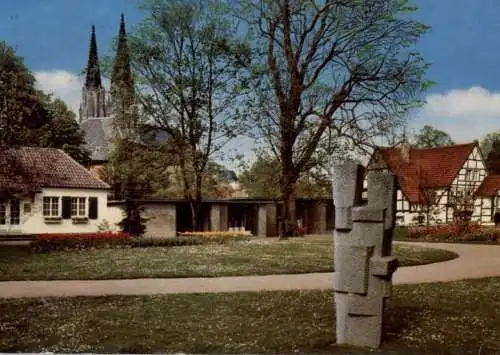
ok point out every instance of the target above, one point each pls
(475, 261)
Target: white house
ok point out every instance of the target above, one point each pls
(44, 190)
(436, 185)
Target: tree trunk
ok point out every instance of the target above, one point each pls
(196, 206)
(288, 213)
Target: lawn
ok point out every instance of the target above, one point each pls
(460, 317)
(254, 257)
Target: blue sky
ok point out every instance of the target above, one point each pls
(463, 47)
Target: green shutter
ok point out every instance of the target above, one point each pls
(66, 207)
(93, 208)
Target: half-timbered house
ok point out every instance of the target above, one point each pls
(440, 185)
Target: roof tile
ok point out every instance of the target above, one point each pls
(428, 168)
(45, 167)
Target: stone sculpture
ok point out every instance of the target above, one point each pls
(363, 241)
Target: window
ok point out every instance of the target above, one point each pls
(51, 206)
(27, 208)
(468, 174)
(15, 212)
(78, 207)
(2, 212)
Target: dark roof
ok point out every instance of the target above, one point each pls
(98, 137)
(45, 167)
(489, 186)
(426, 168)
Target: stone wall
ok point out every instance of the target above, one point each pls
(161, 220)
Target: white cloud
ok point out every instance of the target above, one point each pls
(466, 114)
(63, 84)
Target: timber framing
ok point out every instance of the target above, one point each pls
(437, 185)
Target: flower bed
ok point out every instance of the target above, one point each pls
(215, 234)
(455, 232)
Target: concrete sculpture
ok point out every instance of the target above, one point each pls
(362, 256)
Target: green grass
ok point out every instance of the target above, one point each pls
(453, 318)
(256, 257)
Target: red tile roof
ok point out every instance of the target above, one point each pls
(489, 186)
(33, 168)
(427, 168)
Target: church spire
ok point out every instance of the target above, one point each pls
(93, 103)
(93, 77)
(122, 83)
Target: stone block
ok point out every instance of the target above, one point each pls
(370, 305)
(368, 233)
(215, 217)
(161, 220)
(383, 266)
(343, 218)
(364, 331)
(351, 268)
(382, 194)
(347, 187)
(367, 214)
(262, 221)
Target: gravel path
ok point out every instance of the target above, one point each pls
(474, 261)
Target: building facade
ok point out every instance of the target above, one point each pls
(440, 185)
(55, 194)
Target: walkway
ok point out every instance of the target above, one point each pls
(475, 261)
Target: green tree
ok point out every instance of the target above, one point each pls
(22, 113)
(62, 130)
(330, 74)
(262, 179)
(490, 147)
(189, 61)
(29, 117)
(430, 137)
(486, 142)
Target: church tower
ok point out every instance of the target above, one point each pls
(122, 88)
(122, 83)
(94, 100)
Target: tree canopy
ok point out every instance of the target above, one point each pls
(189, 64)
(262, 179)
(330, 75)
(29, 117)
(430, 137)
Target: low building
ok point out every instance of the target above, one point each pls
(43, 190)
(439, 185)
(259, 216)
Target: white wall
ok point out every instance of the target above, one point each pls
(34, 221)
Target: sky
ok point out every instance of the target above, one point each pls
(463, 48)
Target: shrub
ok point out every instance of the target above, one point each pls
(454, 232)
(82, 241)
(71, 241)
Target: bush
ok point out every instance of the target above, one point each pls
(82, 241)
(454, 232)
(78, 241)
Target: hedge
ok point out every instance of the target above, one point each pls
(82, 241)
